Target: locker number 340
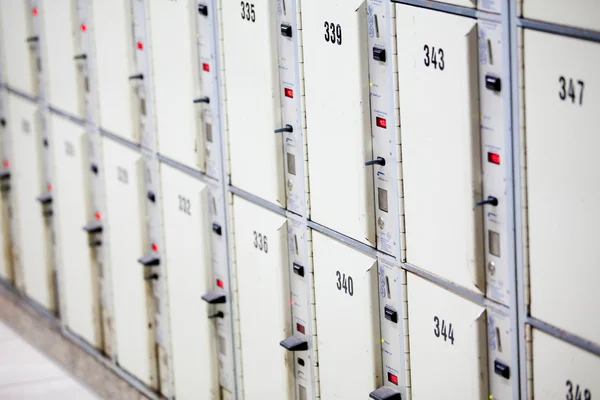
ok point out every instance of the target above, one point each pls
(345, 283)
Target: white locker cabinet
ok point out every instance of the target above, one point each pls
(448, 345)
(114, 64)
(186, 252)
(441, 153)
(253, 98)
(562, 94)
(19, 58)
(175, 54)
(6, 257)
(347, 311)
(578, 13)
(125, 235)
(261, 255)
(563, 371)
(338, 117)
(72, 207)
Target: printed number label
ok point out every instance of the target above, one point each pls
(248, 11)
(574, 392)
(333, 33)
(185, 205)
(445, 330)
(260, 242)
(568, 89)
(345, 282)
(434, 58)
(122, 175)
(69, 149)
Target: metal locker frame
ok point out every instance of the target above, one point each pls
(6, 235)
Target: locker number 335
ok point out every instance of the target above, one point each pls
(248, 11)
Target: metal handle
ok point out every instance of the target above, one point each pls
(202, 100)
(80, 57)
(217, 315)
(490, 200)
(138, 76)
(377, 161)
(152, 277)
(287, 128)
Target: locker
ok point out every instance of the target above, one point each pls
(347, 310)
(263, 300)
(561, 370)
(441, 153)
(338, 117)
(19, 59)
(6, 258)
(253, 98)
(72, 207)
(59, 39)
(125, 237)
(27, 184)
(114, 64)
(175, 54)
(577, 13)
(561, 95)
(447, 343)
(186, 250)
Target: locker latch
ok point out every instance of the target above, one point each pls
(94, 169)
(203, 9)
(80, 57)
(286, 30)
(379, 54)
(391, 314)
(216, 228)
(493, 83)
(151, 196)
(202, 100)
(287, 128)
(151, 277)
(298, 269)
(490, 200)
(214, 297)
(377, 161)
(216, 315)
(386, 393)
(137, 76)
(31, 39)
(502, 369)
(294, 344)
(95, 243)
(46, 198)
(149, 261)
(93, 228)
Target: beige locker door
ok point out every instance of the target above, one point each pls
(439, 114)
(253, 98)
(264, 301)
(563, 371)
(448, 345)
(6, 259)
(113, 40)
(59, 19)
(80, 290)
(462, 3)
(174, 54)
(563, 186)
(186, 250)
(27, 184)
(338, 117)
(125, 230)
(579, 13)
(347, 313)
(17, 62)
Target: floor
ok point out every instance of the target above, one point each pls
(27, 374)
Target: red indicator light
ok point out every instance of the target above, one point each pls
(83, 27)
(49, 187)
(494, 158)
(140, 46)
(289, 93)
(291, 302)
(206, 67)
(154, 247)
(220, 284)
(393, 378)
(381, 122)
(36, 11)
(300, 328)
(98, 216)
(6, 164)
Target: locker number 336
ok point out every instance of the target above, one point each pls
(260, 242)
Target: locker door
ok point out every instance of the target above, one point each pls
(71, 203)
(17, 63)
(463, 3)
(6, 258)
(264, 301)
(578, 13)
(563, 188)
(126, 228)
(174, 54)
(337, 108)
(439, 114)
(563, 371)
(113, 41)
(347, 320)
(26, 185)
(59, 18)
(253, 98)
(447, 343)
(188, 265)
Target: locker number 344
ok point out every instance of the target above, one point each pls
(445, 330)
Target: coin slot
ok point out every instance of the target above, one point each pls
(498, 339)
(491, 55)
(296, 244)
(284, 7)
(376, 20)
(387, 284)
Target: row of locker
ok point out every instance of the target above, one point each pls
(455, 346)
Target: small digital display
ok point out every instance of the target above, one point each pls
(494, 243)
(382, 199)
(291, 163)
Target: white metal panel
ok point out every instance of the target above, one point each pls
(264, 301)
(338, 117)
(186, 252)
(174, 54)
(17, 63)
(253, 98)
(563, 371)
(578, 13)
(347, 313)
(563, 187)
(113, 41)
(439, 114)
(6, 259)
(463, 3)
(71, 203)
(124, 233)
(59, 19)
(448, 346)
